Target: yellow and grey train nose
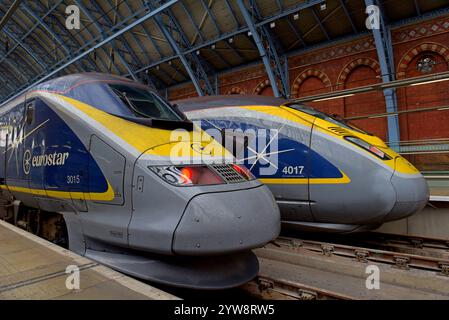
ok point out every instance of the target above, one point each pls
(412, 191)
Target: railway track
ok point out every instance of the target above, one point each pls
(430, 247)
(302, 269)
(400, 260)
(269, 288)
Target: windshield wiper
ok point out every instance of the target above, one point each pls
(130, 104)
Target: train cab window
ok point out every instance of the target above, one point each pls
(29, 112)
(144, 103)
(323, 116)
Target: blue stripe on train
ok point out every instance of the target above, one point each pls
(48, 154)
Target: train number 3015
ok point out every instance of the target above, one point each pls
(75, 179)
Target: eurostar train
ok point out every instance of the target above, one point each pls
(90, 159)
(325, 174)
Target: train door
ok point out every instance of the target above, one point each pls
(328, 184)
(109, 163)
(291, 188)
(3, 138)
(108, 216)
(33, 146)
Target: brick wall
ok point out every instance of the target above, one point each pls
(355, 63)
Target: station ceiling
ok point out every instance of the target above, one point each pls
(35, 41)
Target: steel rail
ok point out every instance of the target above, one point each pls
(265, 287)
(411, 241)
(399, 260)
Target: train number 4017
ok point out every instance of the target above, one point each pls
(293, 170)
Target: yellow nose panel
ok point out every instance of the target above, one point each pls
(403, 166)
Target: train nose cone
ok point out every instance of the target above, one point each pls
(227, 222)
(412, 194)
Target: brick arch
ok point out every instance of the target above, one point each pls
(412, 53)
(235, 90)
(261, 86)
(307, 74)
(351, 66)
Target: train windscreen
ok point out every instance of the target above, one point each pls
(144, 103)
(323, 116)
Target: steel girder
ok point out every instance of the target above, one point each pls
(146, 77)
(118, 30)
(197, 69)
(26, 40)
(239, 30)
(123, 44)
(275, 62)
(21, 42)
(56, 29)
(384, 47)
(199, 33)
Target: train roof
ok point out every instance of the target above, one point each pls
(66, 83)
(236, 100)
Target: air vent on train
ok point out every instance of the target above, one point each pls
(228, 173)
(340, 131)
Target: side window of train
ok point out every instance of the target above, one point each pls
(3, 135)
(29, 113)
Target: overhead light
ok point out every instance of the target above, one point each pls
(249, 34)
(231, 40)
(428, 82)
(213, 47)
(323, 6)
(157, 67)
(272, 25)
(332, 98)
(169, 63)
(198, 52)
(296, 16)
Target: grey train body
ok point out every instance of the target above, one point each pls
(377, 192)
(192, 236)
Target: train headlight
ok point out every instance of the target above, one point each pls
(243, 171)
(187, 175)
(368, 147)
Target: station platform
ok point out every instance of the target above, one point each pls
(33, 268)
(439, 187)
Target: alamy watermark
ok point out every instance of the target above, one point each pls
(73, 20)
(73, 281)
(252, 147)
(373, 20)
(372, 281)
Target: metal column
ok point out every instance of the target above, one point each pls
(384, 47)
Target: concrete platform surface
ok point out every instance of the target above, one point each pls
(33, 268)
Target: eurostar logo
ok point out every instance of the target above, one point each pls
(27, 162)
(43, 160)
